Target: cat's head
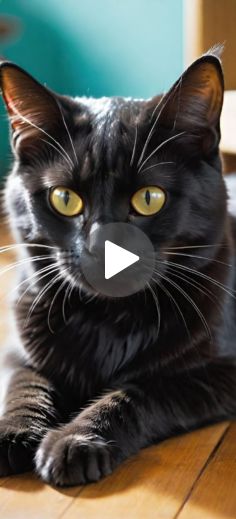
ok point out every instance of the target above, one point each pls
(83, 162)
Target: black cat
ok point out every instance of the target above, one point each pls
(90, 379)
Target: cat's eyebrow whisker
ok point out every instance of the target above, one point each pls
(167, 96)
(134, 147)
(158, 164)
(152, 129)
(68, 133)
(173, 137)
(58, 151)
(27, 121)
(159, 103)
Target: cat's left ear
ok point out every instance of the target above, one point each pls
(193, 105)
(33, 110)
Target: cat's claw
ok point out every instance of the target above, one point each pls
(73, 459)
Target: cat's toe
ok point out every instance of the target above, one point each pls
(73, 459)
(16, 451)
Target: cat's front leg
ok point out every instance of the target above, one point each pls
(120, 423)
(28, 411)
(87, 448)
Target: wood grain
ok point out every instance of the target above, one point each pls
(25, 496)
(215, 492)
(153, 484)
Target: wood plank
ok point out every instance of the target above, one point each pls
(153, 484)
(214, 495)
(26, 496)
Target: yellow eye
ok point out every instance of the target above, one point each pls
(148, 200)
(66, 201)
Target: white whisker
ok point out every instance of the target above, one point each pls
(159, 147)
(58, 151)
(157, 305)
(68, 133)
(39, 297)
(168, 95)
(196, 246)
(26, 120)
(199, 257)
(7, 248)
(195, 284)
(66, 296)
(171, 297)
(158, 164)
(64, 282)
(200, 274)
(134, 147)
(191, 301)
(152, 130)
(24, 261)
(50, 269)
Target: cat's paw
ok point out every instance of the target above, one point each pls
(73, 459)
(17, 449)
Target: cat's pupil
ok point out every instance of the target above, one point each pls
(66, 197)
(148, 197)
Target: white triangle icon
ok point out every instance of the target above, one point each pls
(117, 259)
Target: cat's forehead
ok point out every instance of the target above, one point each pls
(97, 108)
(105, 130)
(105, 110)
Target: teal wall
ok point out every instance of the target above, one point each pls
(96, 47)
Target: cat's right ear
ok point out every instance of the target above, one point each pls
(33, 110)
(193, 104)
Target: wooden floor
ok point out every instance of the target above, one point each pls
(190, 477)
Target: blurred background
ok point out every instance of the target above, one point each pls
(111, 47)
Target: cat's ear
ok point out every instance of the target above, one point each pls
(193, 105)
(33, 110)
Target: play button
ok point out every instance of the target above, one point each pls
(117, 260)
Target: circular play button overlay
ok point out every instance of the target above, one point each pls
(118, 260)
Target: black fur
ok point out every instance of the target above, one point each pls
(101, 378)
